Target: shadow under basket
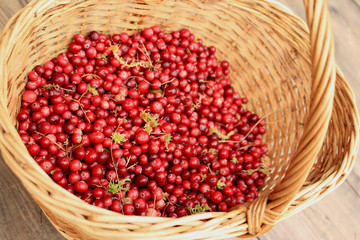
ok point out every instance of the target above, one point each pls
(284, 67)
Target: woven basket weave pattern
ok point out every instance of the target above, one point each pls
(286, 73)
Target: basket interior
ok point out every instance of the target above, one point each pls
(267, 66)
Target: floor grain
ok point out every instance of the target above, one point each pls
(335, 217)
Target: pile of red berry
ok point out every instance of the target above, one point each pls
(147, 124)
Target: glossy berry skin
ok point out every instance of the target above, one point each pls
(156, 107)
(142, 137)
(46, 165)
(145, 125)
(75, 165)
(216, 197)
(97, 137)
(81, 187)
(29, 96)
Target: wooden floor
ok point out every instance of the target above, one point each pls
(336, 217)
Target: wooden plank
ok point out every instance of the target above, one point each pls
(345, 23)
(9, 8)
(335, 217)
(20, 216)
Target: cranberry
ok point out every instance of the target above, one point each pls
(98, 171)
(58, 78)
(216, 197)
(169, 126)
(29, 96)
(129, 209)
(97, 137)
(74, 177)
(46, 165)
(75, 165)
(142, 137)
(81, 187)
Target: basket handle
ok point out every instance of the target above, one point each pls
(320, 109)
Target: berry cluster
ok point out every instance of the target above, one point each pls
(147, 125)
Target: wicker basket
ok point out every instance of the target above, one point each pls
(281, 67)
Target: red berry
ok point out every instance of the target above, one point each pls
(147, 33)
(195, 143)
(129, 209)
(29, 96)
(142, 137)
(156, 107)
(81, 187)
(97, 137)
(98, 171)
(216, 197)
(46, 165)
